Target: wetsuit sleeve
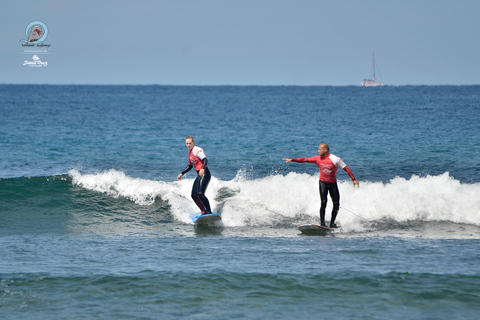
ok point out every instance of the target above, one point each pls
(349, 172)
(188, 168)
(205, 162)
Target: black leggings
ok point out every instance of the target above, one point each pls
(324, 188)
(198, 191)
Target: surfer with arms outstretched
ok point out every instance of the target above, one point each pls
(198, 159)
(327, 165)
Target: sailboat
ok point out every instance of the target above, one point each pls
(372, 82)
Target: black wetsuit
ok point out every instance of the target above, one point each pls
(200, 187)
(324, 188)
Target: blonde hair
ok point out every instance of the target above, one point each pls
(189, 137)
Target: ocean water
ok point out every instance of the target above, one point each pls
(94, 224)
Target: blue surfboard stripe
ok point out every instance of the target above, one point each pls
(200, 215)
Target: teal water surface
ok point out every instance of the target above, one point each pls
(94, 224)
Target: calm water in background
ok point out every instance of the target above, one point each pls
(93, 223)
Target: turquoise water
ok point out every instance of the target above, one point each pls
(93, 223)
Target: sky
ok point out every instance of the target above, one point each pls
(244, 42)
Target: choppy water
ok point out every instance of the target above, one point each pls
(93, 223)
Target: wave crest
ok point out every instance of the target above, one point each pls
(294, 199)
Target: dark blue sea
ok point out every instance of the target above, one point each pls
(94, 224)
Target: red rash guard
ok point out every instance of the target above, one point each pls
(327, 166)
(195, 158)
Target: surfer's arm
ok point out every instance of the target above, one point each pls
(301, 160)
(201, 172)
(188, 168)
(339, 163)
(350, 174)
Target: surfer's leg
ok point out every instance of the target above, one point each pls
(204, 181)
(195, 192)
(335, 194)
(322, 187)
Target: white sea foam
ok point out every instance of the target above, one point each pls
(294, 198)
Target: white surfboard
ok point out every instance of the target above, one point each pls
(313, 229)
(207, 220)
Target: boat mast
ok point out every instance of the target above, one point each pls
(372, 82)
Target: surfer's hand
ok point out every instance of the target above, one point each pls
(201, 172)
(287, 160)
(179, 177)
(355, 183)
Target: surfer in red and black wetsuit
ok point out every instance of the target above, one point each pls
(327, 165)
(198, 159)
